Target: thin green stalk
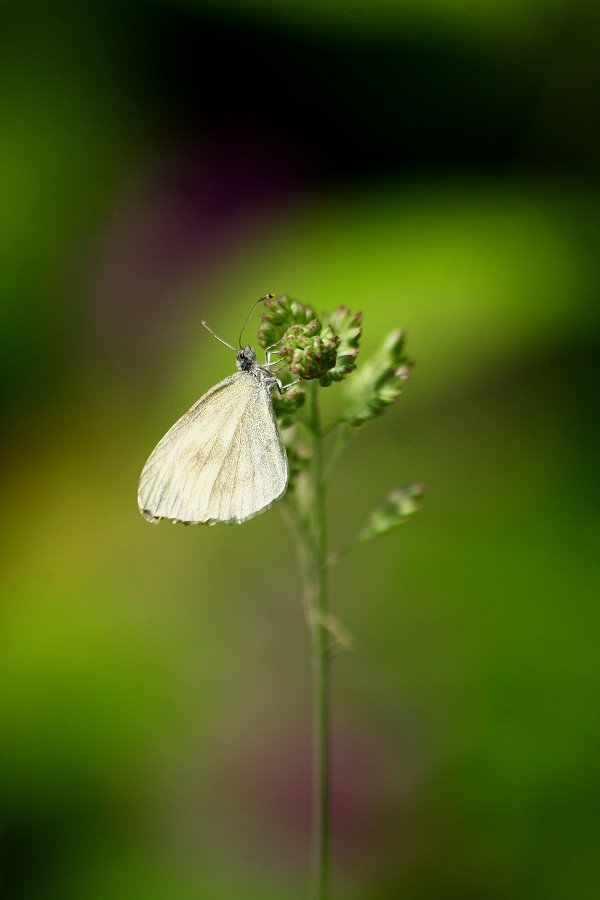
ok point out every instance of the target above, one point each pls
(321, 659)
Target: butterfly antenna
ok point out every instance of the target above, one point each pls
(208, 328)
(260, 300)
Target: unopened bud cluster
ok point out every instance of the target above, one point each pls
(279, 314)
(309, 350)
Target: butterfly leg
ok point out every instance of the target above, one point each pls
(285, 387)
(269, 354)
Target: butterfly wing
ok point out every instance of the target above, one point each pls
(222, 461)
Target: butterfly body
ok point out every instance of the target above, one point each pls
(224, 460)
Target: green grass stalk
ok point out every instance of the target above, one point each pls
(320, 659)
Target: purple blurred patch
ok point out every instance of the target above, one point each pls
(373, 785)
(179, 221)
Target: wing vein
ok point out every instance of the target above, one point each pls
(223, 461)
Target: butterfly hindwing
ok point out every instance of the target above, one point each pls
(222, 461)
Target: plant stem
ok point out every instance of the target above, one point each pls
(321, 659)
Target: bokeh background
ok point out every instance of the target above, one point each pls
(431, 163)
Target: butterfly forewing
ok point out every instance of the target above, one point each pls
(223, 461)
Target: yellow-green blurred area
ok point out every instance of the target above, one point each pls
(433, 164)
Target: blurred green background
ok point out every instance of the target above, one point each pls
(433, 164)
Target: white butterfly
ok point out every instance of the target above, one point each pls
(224, 460)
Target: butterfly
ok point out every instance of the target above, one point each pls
(224, 460)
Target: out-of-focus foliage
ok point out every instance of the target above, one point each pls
(395, 510)
(399, 505)
(513, 17)
(379, 382)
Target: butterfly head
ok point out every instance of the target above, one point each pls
(246, 359)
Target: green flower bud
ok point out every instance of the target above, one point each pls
(286, 406)
(308, 348)
(379, 382)
(347, 326)
(279, 315)
(309, 351)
